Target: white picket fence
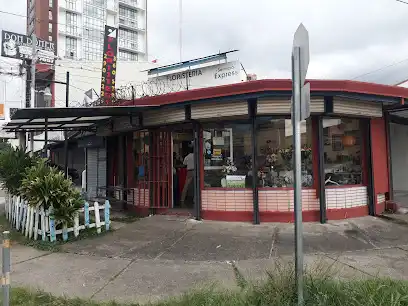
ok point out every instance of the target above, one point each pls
(34, 223)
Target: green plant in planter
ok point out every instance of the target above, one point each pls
(13, 165)
(47, 186)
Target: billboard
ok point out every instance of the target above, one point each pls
(110, 47)
(20, 46)
(214, 75)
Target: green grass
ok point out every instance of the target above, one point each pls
(277, 290)
(19, 238)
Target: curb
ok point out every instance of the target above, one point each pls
(394, 220)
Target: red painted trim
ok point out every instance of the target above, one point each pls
(284, 217)
(402, 101)
(344, 186)
(283, 188)
(379, 208)
(345, 213)
(269, 85)
(232, 216)
(226, 188)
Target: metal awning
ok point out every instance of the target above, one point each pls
(67, 119)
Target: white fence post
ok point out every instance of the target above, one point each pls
(27, 226)
(97, 218)
(76, 224)
(43, 230)
(107, 215)
(30, 230)
(36, 219)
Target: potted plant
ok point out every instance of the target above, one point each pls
(228, 168)
(47, 187)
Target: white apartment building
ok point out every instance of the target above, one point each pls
(81, 25)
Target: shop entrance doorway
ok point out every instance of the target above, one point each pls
(399, 162)
(183, 168)
(153, 175)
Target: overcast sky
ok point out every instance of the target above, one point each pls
(348, 38)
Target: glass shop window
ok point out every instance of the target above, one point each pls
(274, 153)
(342, 151)
(227, 152)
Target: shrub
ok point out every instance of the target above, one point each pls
(46, 186)
(13, 164)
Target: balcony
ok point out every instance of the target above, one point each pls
(129, 24)
(131, 4)
(70, 7)
(126, 47)
(70, 32)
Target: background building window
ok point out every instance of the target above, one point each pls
(71, 23)
(227, 155)
(342, 151)
(49, 15)
(70, 47)
(274, 152)
(50, 3)
(127, 56)
(70, 4)
(50, 27)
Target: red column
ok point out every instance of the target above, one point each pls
(380, 160)
(130, 161)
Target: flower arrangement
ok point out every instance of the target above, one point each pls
(306, 151)
(229, 167)
(286, 154)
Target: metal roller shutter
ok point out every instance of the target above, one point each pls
(165, 115)
(96, 170)
(357, 108)
(276, 106)
(216, 110)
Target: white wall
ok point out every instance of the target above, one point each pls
(85, 75)
(399, 156)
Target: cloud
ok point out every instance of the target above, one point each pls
(347, 38)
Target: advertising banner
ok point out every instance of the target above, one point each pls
(110, 47)
(20, 46)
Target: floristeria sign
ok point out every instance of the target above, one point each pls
(110, 48)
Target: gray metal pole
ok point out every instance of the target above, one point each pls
(65, 133)
(6, 268)
(297, 171)
(32, 104)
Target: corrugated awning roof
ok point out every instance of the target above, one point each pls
(67, 119)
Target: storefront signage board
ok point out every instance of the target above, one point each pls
(110, 49)
(208, 76)
(235, 181)
(20, 46)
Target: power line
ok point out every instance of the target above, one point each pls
(380, 69)
(402, 1)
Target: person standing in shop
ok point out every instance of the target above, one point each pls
(189, 163)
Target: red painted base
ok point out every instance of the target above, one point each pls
(284, 217)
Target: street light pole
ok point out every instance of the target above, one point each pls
(65, 132)
(32, 100)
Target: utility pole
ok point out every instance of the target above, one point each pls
(65, 132)
(181, 28)
(32, 98)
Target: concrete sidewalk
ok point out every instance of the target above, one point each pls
(142, 280)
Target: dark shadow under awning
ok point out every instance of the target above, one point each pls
(67, 119)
